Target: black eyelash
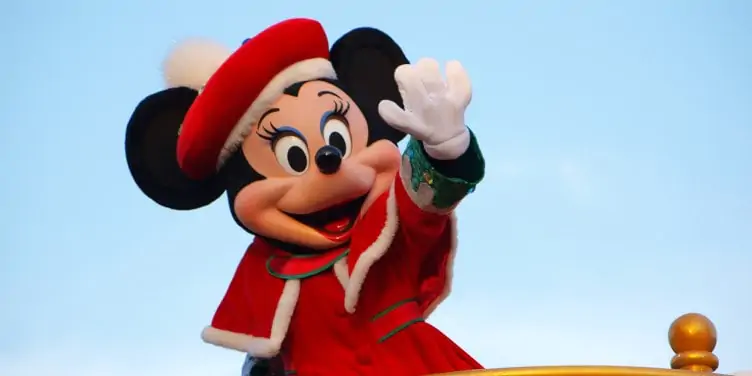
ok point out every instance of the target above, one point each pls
(341, 108)
(270, 135)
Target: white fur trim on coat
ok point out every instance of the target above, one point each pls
(373, 253)
(423, 198)
(258, 346)
(192, 62)
(379, 248)
(301, 71)
(341, 272)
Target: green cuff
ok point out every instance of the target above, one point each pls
(447, 190)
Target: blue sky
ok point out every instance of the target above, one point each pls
(618, 136)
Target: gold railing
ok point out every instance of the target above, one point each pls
(692, 337)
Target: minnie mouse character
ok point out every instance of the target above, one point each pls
(354, 243)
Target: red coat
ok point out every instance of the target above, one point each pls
(326, 318)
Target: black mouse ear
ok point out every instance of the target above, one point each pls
(365, 60)
(151, 150)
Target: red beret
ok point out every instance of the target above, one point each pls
(244, 86)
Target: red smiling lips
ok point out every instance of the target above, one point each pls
(334, 222)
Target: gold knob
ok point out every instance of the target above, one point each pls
(693, 338)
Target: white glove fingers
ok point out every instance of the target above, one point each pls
(430, 74)
(458, 82)
(410, 86)
(402, 120)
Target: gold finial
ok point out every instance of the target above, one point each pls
(693, 337)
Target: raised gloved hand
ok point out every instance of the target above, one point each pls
(434, 108)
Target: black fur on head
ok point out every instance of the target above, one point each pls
(364, 59)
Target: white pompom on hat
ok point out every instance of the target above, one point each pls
(192, 62)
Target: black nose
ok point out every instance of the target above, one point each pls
(328, 159)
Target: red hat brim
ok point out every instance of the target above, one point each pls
(249, 81)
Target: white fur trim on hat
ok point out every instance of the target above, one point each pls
(301, 71)
(192, 62)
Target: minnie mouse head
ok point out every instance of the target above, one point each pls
(286, 126)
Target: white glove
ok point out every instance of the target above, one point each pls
(434, 108)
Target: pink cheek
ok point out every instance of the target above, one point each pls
(245, 209)
(260, 197)
(393, 157)
(382, 156)
(249, 202)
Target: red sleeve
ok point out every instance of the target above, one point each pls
(429, 247)
(417, 224)
(244, 309)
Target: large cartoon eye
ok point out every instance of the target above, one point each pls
(336, 133)
(292, 154)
